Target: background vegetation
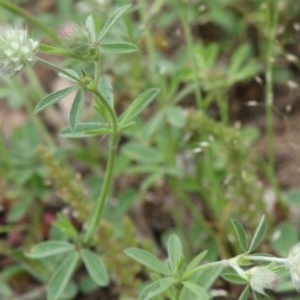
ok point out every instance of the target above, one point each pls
(219, 142)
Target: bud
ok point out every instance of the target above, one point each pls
(261, 278)
(293, 264)
(77, 40)
(17, 50)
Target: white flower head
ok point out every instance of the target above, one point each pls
(261, 278)
(17, 50)
(293, 264)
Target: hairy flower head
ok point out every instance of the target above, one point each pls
(293, 263)
(77, 40)
(261, 278)
(17, 50)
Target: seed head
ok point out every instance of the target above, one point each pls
(17, 50)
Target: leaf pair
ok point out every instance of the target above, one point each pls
(62, 275)
(256, 239)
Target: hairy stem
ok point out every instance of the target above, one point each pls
(95, 217)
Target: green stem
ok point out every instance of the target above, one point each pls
(95, 217)
(271, 16)
(22, 13)
(190, 50)
(278, 260)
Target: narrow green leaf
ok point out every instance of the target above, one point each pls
(53, 98)
(149, 260)
(66, 227)
(95, 267)
(120, 47)
(258, 235)
(175, 252)
(90, 26)
(106, 90)
(246, 293)
(76, 109)
(196, 289)
(234, 278)
(86, 130)
(112, 20)
(156, 288)
(240, 234)
(239, 58)
(62, 275)
(140, 103)
(70, 75)
(53, 50)
(194, 263)
(50, 248)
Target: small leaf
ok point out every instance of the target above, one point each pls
(106, 90)
(76, 108)
(53, 98)
(240, 234)
(292, 197)
(66, 227)
(194, 263)
(90, 26)
(175, 116)
(112, 20)
(53, 50)
(175, 252)
(142, 153)
(284, 237)
(49, 248)
(121, 47)
(62, 275)
(239, 58)
(156, 288)
(140, 103)
(246, 293)
(95, 267)
(70, 75)
(234, 278)
(258, 235)
(86, 130)
(196, 289)
(149, 260)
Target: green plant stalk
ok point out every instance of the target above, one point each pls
(191, 54)
(20, 12)
(95, 217)
(271, 16)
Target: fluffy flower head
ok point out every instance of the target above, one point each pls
(77, 40)
(293, 263)
(17, 50)
(261, 278)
